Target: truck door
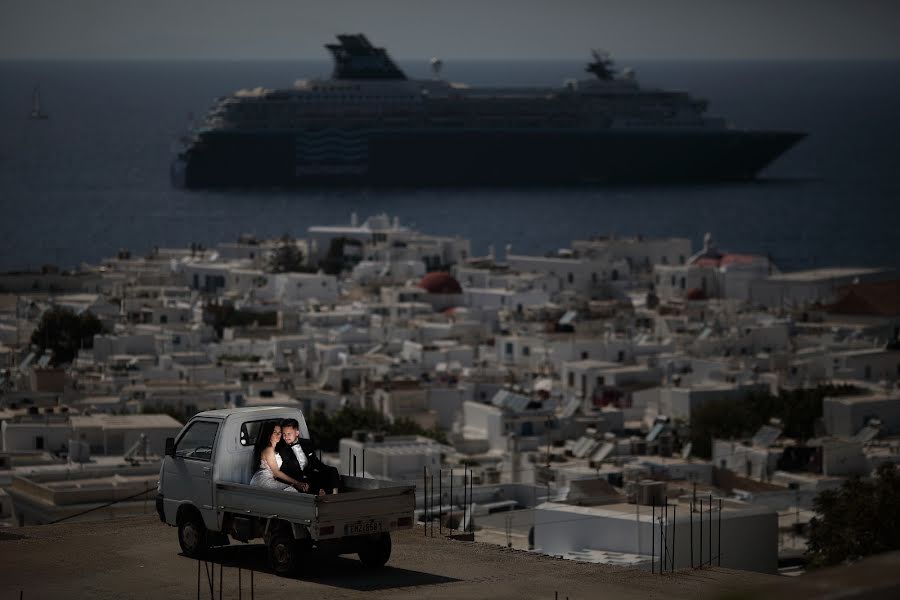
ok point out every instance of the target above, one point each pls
(189, 474)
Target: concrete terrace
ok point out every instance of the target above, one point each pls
(139, 558)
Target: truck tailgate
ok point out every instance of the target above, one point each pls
(360, 511)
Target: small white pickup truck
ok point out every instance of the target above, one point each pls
(204, 491)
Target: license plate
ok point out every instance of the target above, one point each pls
(362, 527)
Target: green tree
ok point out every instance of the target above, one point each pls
(287, 257)
(797, 409)
(64, 333)
(336, 261)
(327, 431)
(858, 519)
(220, 316)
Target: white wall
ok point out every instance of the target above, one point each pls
(749, 537)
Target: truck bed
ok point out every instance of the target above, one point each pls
(363, 501)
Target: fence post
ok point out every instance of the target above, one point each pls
(692, 533)
(440, 502)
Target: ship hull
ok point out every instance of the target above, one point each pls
(476, 157)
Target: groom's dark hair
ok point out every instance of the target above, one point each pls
(290, 423)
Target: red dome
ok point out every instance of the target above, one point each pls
(440, 282)
(696, 294)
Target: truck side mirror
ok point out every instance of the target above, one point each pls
(170, 447)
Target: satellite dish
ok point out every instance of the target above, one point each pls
(436, 66)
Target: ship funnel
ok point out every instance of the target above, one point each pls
(436, 66)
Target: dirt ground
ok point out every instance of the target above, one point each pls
(139, 558)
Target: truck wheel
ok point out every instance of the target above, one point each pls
(284, 553)
(192, 536)
(376, 551)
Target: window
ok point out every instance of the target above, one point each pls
(526, 351)
(571, 278)
(250, 432)
(571, 379)
(509, 347)
(601, 381)
(584, 356)
(39, 442)
(197, 442)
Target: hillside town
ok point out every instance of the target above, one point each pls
(553, 403)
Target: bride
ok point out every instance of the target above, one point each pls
(267, 462)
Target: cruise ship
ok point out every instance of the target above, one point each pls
(371, 124)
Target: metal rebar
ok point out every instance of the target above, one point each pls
(432, 506)
(354, 465)
(252, 591)
(653, 537)
(710, 530)
(464, 505)
(440, 502)
(700, 562)
(450, 520)
(692, 533)
(665, 531)
(348, 460)
(662, 551)
(674, 525)
(220, 581)
(471, 502)
(720, 533)
(198, 579)
(364, 462)
(240, 586)
(425, 500)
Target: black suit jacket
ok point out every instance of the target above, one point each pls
(315, 468)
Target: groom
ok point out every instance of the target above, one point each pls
(299, 460)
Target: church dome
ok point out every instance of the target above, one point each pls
(440, 282)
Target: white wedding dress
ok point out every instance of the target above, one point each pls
(264, 478)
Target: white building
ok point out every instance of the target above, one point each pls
(804, 288)
(396, 458)
(746, 537)
(844, 416)
(117, 434)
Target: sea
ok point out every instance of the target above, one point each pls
(94, 178)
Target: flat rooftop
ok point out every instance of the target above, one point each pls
(138, 558)
(822, 274)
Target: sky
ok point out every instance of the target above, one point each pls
(464, 29)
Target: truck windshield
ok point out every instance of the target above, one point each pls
(197, 441)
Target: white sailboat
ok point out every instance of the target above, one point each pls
(36, 113)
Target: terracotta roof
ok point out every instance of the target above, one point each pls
(727, 259)
(878, 299)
